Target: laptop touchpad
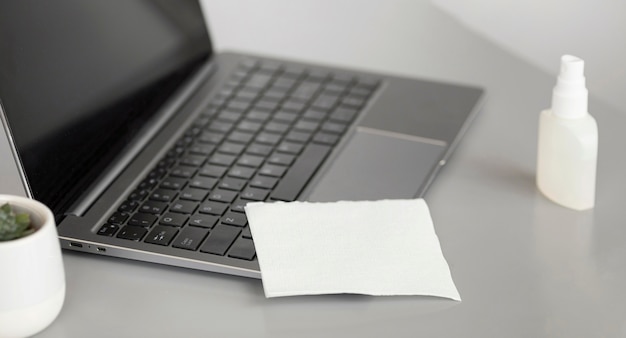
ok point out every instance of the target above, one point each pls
(378, 165)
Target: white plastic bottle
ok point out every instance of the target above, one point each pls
(568, 141)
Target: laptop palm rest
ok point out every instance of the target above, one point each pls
(399, 168)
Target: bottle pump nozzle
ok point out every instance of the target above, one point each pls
(569, 97)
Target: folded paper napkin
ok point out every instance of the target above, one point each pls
(386, 247)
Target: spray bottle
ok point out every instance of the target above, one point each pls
(568, 141)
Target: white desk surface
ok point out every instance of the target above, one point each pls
(523, 266)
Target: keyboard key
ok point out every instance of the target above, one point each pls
(249, 126)
(267, 138)
(272, 170)
(152, 207)
(239, 205)
(201, 149)
(108, 230)
(190, 238)
(240, 137)
(246, 233)
(213, 171)
(254, 194)
(344, 115)
(192, 194)
(352, 101)
(201, 182)
(220, 127)
(258, 115)
(174, 219)
(162, 195)
(211, 137)
(203, 221)
(298, 136)
(222, 160)
(234, 184)
(133, 233)
(267, 105)
(281, 159)
(290, 148)
(293, 106)
(325, 138)
(243, 249)
(335, 128)
(192, 160)
(213, 208)
(307, 126)
(183, 207)
(251, 161)
(264, 182)
(300, 173)
(138, 194)
(221, 195)
(241, 172)
(231, 148)
(183, 172)
(142, 220)
(128, 206)
(314, 115)
(285, 116)
(276, 127)
(161, 235)
(235, 218)
(220, 239)
(173, 183)
(259, 149)
(118, 218)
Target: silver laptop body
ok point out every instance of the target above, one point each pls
(66, 140)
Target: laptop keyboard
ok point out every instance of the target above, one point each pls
(261, 138)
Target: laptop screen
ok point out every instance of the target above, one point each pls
(78, 78)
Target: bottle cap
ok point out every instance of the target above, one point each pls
(569, 97)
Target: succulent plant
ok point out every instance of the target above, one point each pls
(14, 225)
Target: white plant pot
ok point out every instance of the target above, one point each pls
(32, 278)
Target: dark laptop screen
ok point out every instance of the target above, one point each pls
(78, 78)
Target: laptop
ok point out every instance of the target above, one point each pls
(147, 144)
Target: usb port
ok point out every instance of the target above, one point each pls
(76, 245)
(101, 249)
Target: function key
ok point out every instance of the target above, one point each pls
(128, 206)
(118, 218)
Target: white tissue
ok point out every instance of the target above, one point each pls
(386, 247)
